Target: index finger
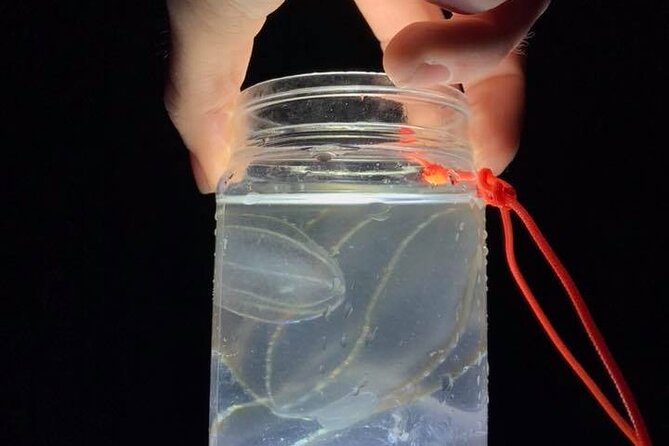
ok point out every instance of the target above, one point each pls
(475, 50)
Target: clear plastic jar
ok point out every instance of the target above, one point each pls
(350, 300)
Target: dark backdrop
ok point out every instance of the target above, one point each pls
(103, 223)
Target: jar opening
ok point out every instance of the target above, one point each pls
(345, 128)
(321, 84)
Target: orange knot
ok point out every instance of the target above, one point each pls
(494, 191)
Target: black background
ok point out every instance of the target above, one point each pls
(103, 223)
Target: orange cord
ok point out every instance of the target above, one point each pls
(501, 195)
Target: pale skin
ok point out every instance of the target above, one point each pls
(212, 42)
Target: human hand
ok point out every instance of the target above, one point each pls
(212, 42)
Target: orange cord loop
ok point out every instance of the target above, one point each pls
(500, 194)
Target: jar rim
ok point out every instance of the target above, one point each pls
(335, 83)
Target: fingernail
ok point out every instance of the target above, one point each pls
(467, 6)
(428, 74)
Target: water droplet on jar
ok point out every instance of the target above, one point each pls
(327, 314)
(324, 157)
(348, 310)
(343, 341)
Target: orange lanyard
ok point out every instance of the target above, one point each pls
(500, 194)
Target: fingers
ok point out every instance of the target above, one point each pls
(388, 17)
(212, 42)
(463, 49)
(497, 104)
(211, 47)
(422, 49)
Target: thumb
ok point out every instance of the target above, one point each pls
(211, 47)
